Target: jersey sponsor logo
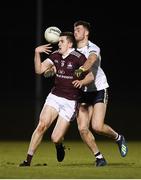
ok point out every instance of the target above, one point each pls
(64, 77)
(61, 71)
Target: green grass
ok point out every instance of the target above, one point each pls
(78, 162)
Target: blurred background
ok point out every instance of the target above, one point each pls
(116, 30)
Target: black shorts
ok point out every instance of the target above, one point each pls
(94, 97)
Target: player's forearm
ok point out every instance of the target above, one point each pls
(88, 79)
(89, 63)
(37, 63)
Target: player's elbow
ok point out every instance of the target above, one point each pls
(37, 71)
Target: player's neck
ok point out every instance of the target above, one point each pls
(82, 43)
(64, 55)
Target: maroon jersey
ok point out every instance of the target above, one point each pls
(66, 67)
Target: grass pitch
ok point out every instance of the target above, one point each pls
(79, 162)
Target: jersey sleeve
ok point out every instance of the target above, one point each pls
(48, 61)
(94, 49)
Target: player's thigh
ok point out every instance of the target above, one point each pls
(48, 115)
(60, 129)
(84, 115)
(99, 112)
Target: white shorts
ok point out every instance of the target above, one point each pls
(66, 108)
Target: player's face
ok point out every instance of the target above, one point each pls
(63, 45)
(79, 32)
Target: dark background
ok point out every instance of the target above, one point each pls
(116, 30)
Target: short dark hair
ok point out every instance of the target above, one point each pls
(70, 37)
(83, 23)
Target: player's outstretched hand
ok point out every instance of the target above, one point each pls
(44, 49)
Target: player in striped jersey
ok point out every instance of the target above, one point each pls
(61, 103)
(94, 96)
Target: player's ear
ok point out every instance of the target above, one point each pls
(86, 33)
(70, 44)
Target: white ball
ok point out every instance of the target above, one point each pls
(52, 34)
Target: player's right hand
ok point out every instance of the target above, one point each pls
(44, 49)
(78, 72)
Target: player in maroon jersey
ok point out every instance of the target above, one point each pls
(61, 103)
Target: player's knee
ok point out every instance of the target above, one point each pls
(42, 127)
(83, 130)
(83, 108)
(97, 128)
(55, 138)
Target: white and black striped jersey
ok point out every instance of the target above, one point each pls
(100, 81)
